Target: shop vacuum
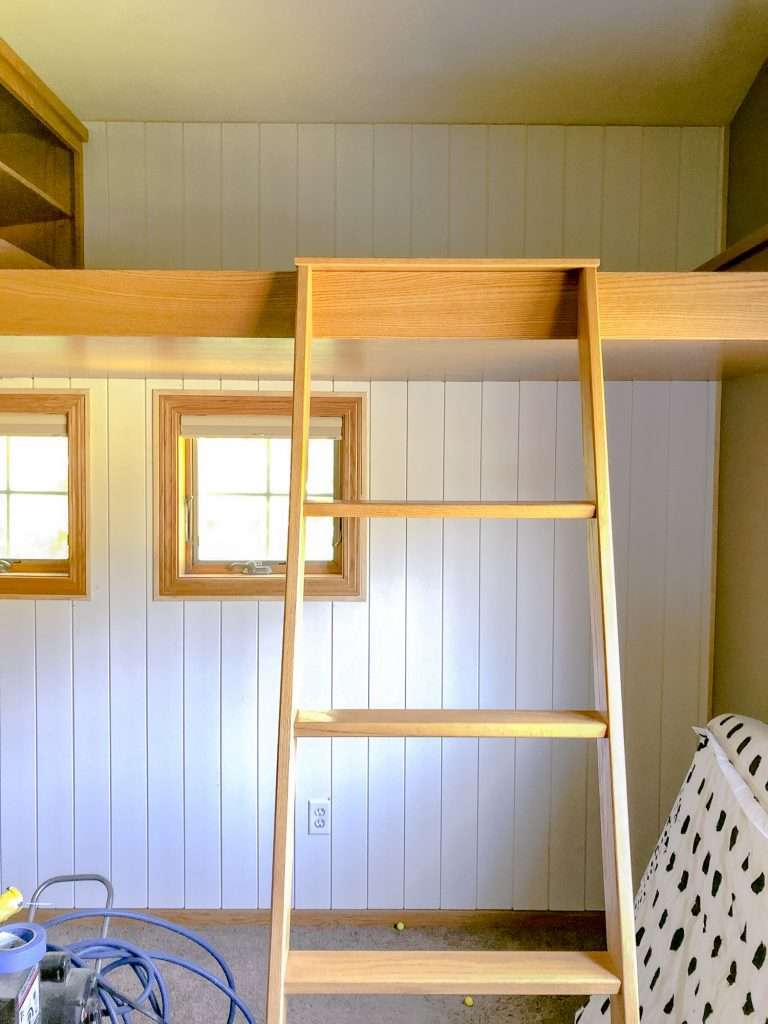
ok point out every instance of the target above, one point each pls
(45, 983)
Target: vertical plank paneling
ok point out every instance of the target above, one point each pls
(582, 214)
(461, 547)
(392, 189)
(239, 753)
(700, 229)
(644, 644)
(572, 665)
(18, 746)
(506, 190)
(386, 770)
(55, 733)
(277, 202)
(498, 611)
(354, 190)
(90, 664)
(127, 639)
(164, 144)
(349, 769)
(686, 582)
(165, 714)
(240, 196)
(659, 198)
(270, 634)
(622, 168)
(127, 209)
(313, 762)
(202, 196)
(468, 191)
(430, 185)
(424, 637)
(202, 753)
(545, 157)
(316, 190)
(535, 568)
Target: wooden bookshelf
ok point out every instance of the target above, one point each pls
(41, 172)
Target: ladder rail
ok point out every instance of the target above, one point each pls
(282, 851)
(617, 867)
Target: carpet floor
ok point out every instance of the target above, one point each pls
(245, 948)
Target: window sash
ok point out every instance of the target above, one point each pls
(264, 426)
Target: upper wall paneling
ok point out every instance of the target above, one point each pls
(249, 196)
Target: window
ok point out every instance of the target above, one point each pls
(223, 483)
(42, 494)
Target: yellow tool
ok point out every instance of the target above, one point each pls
(11, 902)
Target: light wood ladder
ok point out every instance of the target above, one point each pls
(612, 972)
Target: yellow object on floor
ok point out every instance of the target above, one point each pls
(11, 902)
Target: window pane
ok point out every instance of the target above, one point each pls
(39, 463)
(3, 463)
(320, 467)
(319, 540)
(232, 465)
(38, 527)
(232, 528)
(279, 465)
(278, 528)
(3, 526)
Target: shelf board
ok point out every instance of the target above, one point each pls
(14, 258)
(450, 973)
(450, 509)
(22, 202)
(439, 722)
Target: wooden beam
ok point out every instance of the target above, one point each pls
(449, 509)
(254, 304)
(442, 722)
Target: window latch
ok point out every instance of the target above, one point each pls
(6, 564)
(251, 568)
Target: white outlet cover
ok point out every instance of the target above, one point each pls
(319, 817)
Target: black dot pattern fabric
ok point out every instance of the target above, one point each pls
(701, 908)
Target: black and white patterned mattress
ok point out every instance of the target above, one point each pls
(702, 905)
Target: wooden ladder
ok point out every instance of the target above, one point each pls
(612, 972)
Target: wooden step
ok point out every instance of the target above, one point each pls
(14, 258)
(410, 265)
(450, 509)
(396, 722)
(450, 973)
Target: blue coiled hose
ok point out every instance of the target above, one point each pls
(152, 1001)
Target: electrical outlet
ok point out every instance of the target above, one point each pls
(319, 817)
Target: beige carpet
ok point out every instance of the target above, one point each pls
(244, 947)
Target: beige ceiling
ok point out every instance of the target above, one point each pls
(535, 61)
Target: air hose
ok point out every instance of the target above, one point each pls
(152, 1001)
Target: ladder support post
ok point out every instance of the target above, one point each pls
(617, 865)
(282, 851)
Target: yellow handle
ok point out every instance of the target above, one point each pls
(11, 902)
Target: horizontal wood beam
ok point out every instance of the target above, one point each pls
(238, 324)
(256, 304)
(450, 509)
(451, 722)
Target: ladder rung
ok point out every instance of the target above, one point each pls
(439, 722)
(410, 265)
(451, 973)
(451, 509)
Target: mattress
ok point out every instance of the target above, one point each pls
(702, 905)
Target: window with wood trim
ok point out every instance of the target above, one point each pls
(43, 502)
(223, 474)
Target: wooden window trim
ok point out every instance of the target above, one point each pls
(343, 580)
(65, 578)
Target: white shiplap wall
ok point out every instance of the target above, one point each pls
(248, 195)
(162, 714)
(137, 737)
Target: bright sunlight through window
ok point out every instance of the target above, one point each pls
(242, 491)
(33, 498)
